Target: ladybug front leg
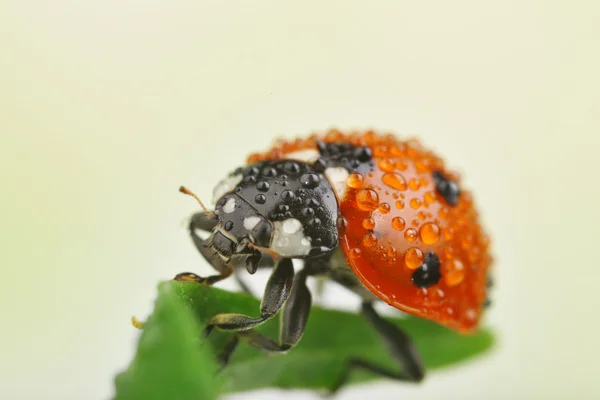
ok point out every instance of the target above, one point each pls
(401, 348)
(277, 291)
(264, 261)
(293, 321)
(204, 222)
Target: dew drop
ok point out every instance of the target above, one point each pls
(287, 195)
(443, 213)
(414, 184)
(394, 180)
(367, 200)
(449, 253)
(260, 199)
(368, 223)
(384, 208)
(398, 223)
(355, 181)
(263, 186)
(401, 165)
(415, 203)
(308, 212)
(430, 233)
(429, 198)
(471, 314)
(310, 180)
(474, 254)
(455, 274)
(448, 233)
(386, 165)
(400, 205)
(410, 235)
(413, 258)
(269, 172)
(369, 240)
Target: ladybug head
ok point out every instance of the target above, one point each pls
(282, 207)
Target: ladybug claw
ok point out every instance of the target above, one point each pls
(208, 330)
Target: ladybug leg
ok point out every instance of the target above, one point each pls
(401, 348)
(202, 221)
(225, 270)
(277, 291)
(293, 321)
(205, 222)
(264, 261)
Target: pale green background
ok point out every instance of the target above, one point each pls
(106, 107)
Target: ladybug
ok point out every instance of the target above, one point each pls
(380, 216)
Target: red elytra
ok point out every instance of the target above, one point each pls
(394, 217)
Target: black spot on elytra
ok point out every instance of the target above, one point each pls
(447, 188)
(429, 272)
(487, 303)
(363, 154)
(343, 154)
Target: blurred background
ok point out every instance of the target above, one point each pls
(106, 107)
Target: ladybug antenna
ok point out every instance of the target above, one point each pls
(185, 190)
(273, 254)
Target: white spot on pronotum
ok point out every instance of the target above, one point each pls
(291, 225)
(229, 206)
(308, 156)
(226, 186)
(338, 176)
(288, 238)
(250, 222)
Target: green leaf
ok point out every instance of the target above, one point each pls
(172, 362)
(331, 337)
